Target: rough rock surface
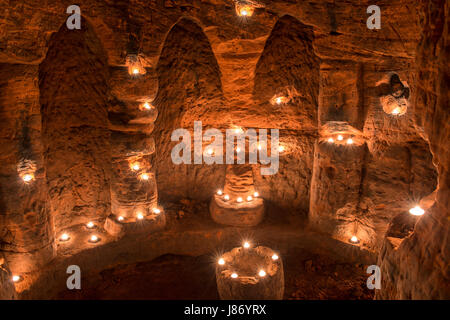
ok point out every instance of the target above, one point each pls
(418, 268)
(75, 133)
(7, 290)
(70, 107)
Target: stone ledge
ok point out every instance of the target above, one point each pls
(151, 223)
(245, 214)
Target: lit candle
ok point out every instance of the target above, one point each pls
(416, 211)
(64, 237)
(135, 166)
(94, 238)
(210, 151)
(330, 140)
(27, 177)
(239, 199)
(249, 198)
(219, 192)
(354, 239)
(340, 137)
(234, 275)
(259, 147)
(140, 216)
(16, 278)
(226, 197)
(156, 211)
(278, 100)
(275, 256)
(349, 141)
(238, 149)
(262, 273)
(147, 106)
(221, 261)
(396, 111)
(280, 149)
(246, 245)
(256, 194)
(90, 224)
(120, 218)
(135, 71)
(144, 176)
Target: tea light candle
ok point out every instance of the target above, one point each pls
(354, 239)
(64, 237)
(144, 176)
(94, 239)
(416, 211)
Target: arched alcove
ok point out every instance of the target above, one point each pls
(288, 69)
(73, 97)
(189, 90)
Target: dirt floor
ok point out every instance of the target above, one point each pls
(309, 273)
(184, 277)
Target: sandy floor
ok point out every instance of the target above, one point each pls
(315, 267)
(183, 277)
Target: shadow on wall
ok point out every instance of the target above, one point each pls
(189, 90)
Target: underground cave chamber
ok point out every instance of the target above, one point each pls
(225, 150)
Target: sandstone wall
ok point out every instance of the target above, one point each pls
(75, 129)
(26, 230)
(203, 62)
(418, 267)
(189, 90)
(288, 68)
